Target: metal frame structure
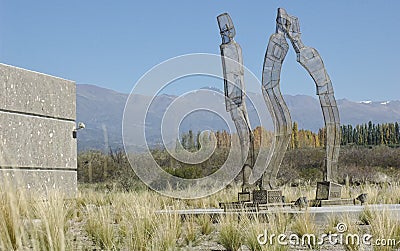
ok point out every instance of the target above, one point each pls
(231, 53)
(232, 64)
(288, 26)
(274, 56)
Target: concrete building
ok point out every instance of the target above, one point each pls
(37, 141)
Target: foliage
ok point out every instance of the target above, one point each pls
(99, 227)
(368, 154)
(230, 235)
(206, 226)
(112, 169)
(371, 134)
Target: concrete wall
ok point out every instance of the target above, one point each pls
(37, 120)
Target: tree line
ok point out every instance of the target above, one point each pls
(368, 134)
(192, 141)
(371, 134)
(303, 160)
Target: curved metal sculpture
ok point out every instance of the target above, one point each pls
(310, 59)
(274, 56)
(232, 64)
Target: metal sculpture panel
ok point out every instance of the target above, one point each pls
(310, 59)
(286, 27)
(276, 52)
(232, 64)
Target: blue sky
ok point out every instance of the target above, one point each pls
(112, 44)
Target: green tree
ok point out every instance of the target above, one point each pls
(370, 133)
(218, 138)
(365, 134)
(191, 143)
(295, 136)
(360, 137)
(322, 136)
(344, 139)
(380, 137)
(184, 140)
(350, 136)
(198, 144)
(374, 134)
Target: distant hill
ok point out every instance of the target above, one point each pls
(102, 110)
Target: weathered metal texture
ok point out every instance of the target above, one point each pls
(37, 120)
(244, 197)
(267, 196)
(260, 196)
(274, 196)
(327, 190)
(232, 64)
(274, 56)
(310, 59)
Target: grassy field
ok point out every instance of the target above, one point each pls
(111, 220)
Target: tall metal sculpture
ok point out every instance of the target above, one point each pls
(288, 26)
(274, 56)
(232, 64)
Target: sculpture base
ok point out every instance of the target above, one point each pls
(335, 202)
(244, 197)
(267, 196)
(327, 190)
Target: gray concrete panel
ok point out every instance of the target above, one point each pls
(36, 93)
(30, 141)
(40, 182)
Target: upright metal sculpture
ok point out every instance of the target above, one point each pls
(232, 64)
(310, 59)
(274, 56)
(231, 54)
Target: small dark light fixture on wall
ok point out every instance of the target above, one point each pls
(80, 126)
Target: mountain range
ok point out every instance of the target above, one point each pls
(102, 112)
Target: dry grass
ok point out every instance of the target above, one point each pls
(230, 233)
(293, 193)
(251, 229)
(50, 223)
(12, 231)
(38, 225)
(127, 221)
(190, 231)
(205, 223)
(382, 194)
(352, 228)
(304, 224)
(384, 227)
(99, 226)
(167, 232)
